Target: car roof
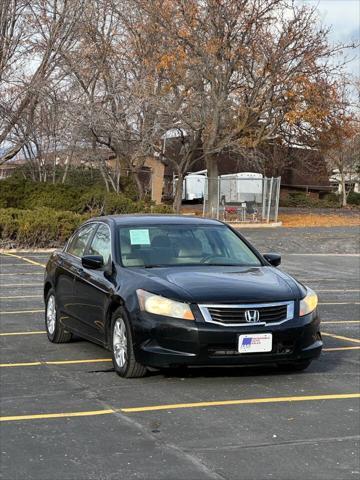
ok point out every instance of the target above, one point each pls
(143, 219)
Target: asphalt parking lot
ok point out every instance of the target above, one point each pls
(66, 415)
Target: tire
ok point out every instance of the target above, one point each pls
(55, 331)
(122, 350)
(295, 366)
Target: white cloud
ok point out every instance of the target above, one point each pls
(343, 17)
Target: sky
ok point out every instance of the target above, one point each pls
(343, 16)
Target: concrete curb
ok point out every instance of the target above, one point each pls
(255, 225)
(27, 250)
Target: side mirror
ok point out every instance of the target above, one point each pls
(93, 262)
(273, 258)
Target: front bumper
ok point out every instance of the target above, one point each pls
(163, 342)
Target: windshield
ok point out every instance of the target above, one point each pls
(179, 245)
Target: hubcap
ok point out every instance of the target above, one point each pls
(120, 343)
(51, 314)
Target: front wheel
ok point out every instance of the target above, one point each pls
(123, 356)
(55, 331)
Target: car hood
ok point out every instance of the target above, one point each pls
(220, 284)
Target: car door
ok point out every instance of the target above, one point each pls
(69, 267)
(95, 287)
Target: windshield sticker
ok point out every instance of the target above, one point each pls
(139, 237)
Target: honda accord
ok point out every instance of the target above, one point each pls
(168, 291)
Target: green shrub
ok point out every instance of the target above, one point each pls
(161, 209)
(301, 199)
(45, 215)
(46, 227)
(9, 223)
(108, 203)
(296, 199)
(331, 199)
(41, 227)
(58, 197)
(91, 201)
(353, 198)
(17, 192)
(118, 204)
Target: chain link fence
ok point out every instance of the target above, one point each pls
(244, 200)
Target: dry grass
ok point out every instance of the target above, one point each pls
(318, 220)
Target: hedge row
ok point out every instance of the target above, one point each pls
(330, 200)
(46, 227)
(42, 227)
(17, 192)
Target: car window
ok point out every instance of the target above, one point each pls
(170, 245)
(79, 241)
(101, 243)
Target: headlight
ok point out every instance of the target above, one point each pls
(308, 303)
(163, 306)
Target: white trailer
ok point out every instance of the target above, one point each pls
(241, 187)
(194, 185)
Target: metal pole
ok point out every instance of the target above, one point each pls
(205, 195)
(264, 197)
(270, 198)
(277, 198)
(218, 204)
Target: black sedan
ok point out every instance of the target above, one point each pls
(167, 291)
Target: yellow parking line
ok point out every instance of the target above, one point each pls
(247, 401)
(55, 362)
(21, 311)
(65, 362)
(13, 297)
(25, 259)
(342, 290)
(339, 303)
(9, 334)
(24, 364)
(23, 273)
(19, 264)
(338, 349)
(56, 415)
(340, 321)
(339, 337)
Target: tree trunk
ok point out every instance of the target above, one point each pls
(103, 174)
(343, 190)
(63, 180)
(213, 186)
(139, 185)
(178, 193)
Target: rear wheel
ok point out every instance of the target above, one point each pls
(295, 366)
(122, 349)
(55, 331)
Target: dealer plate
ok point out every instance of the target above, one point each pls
(255, 342)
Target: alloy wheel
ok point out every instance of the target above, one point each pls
(120, 342)
(51, 314)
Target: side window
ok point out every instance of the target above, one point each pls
(101, 243)
(79, 241)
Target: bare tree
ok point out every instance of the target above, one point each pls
(33, 33)
(247, 70)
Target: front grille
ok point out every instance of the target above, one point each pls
(235, 314)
